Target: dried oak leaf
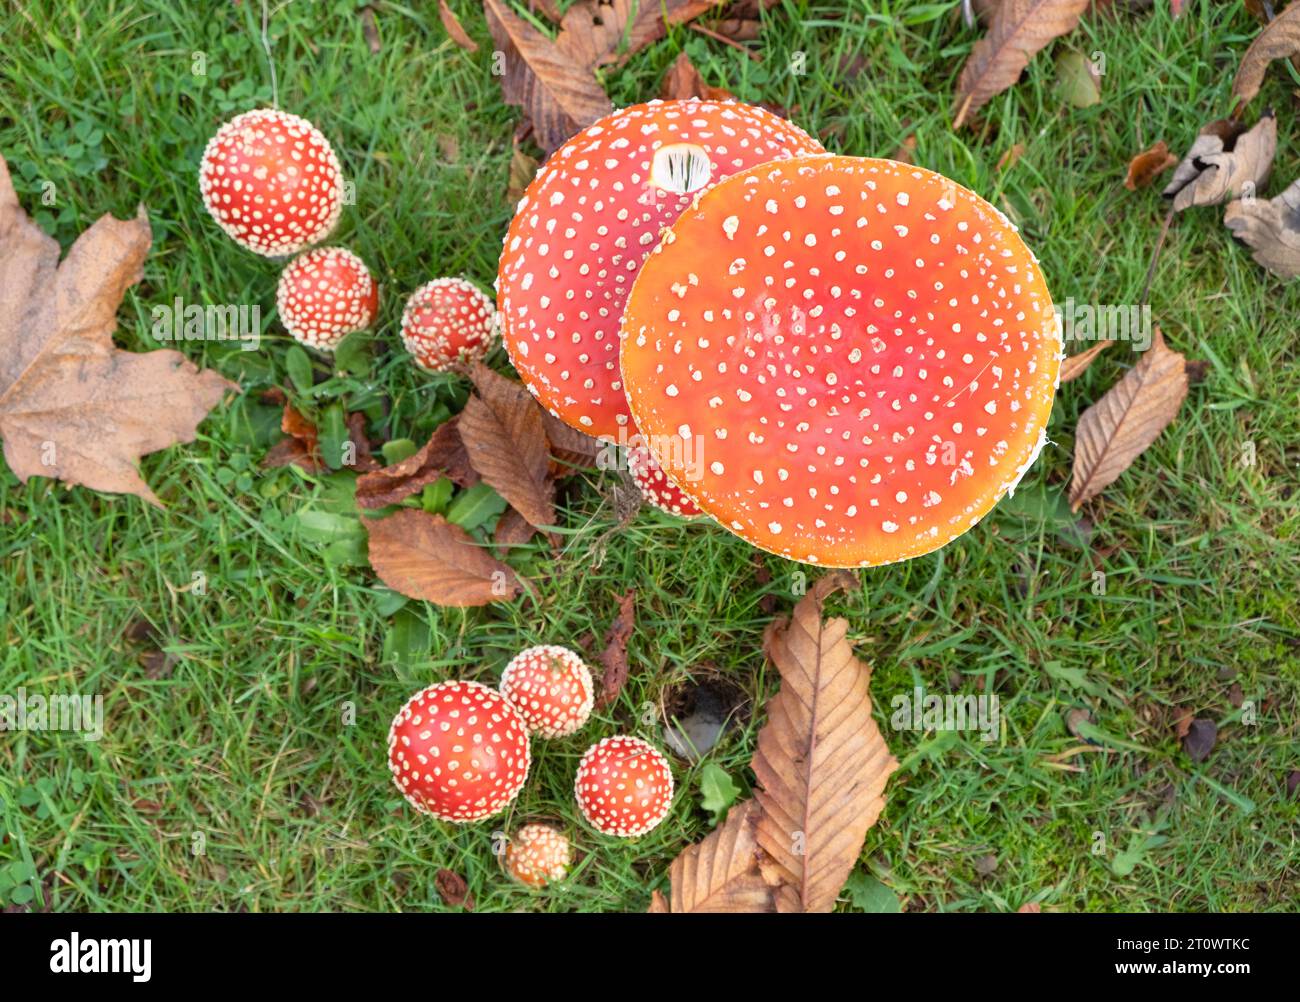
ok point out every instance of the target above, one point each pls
(1223, 163)
(72, 406)
(454, 28)
(614, 657)
(443, 455)
(1075, 366)
(426, 557)
(722, 872)
(559, 96)
(1270, 228)
(1129, 417)
(1279, 39)
(683, 81)
(820, 762)
(1148, 165)
(1019, 30)
(505, 438)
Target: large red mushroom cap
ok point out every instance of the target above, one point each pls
(459, 751)
(551, 688)
(655, 485)
(866, 351)
(324, 295)
(588, 220)
(447, 321)
(272, 182)
(624, 786)
(538, 855)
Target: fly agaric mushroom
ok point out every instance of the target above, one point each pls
(551, 688)
(458, 751)
(624, 786)
(447, 321)
(272, 182)
(871, 363)
(324, 295)
(655, 486)
(586, 223)
(538, 855)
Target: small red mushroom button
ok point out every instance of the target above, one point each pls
(538, 855)
(586, 223)
(458, 751)
(551, 688)
(624, 786)
(868, 360)
(272, 182)
(655, 486)
(324, 295)
(447, 321)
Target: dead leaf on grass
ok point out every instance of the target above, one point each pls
(1224, 163)
(426, 557)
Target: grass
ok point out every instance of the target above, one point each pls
(230, 706)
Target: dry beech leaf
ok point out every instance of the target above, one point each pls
(821, 762)
(683, 81)
(458, 34)
(559, 96)
(72, 406)
(426, 557)
(1221, 165)
(614, 657)
(721, 873)
(1075, 366)
(443, 455)
(1279, 39)
(505, 437)
(512, 530)
(1270, 228)
(568, 445)
(1019, 30)
(1148, 165)
(1129, 417)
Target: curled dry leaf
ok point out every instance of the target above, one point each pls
(453, 890)
(1127, 419)
(1148, 165)
(454, 28)
(300, 447)
(614, 657)
(505, 437)
(559, 96)
(426, 557)
(1270, 228)
(1019, 30)
(722, 872)
(1223, 164)
(1279, 39)
(821, 762)
(72, 406)
(569, 446)
(683, 81)
(443, 455)
(1075, 366)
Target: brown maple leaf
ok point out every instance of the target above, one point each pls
(72, 406)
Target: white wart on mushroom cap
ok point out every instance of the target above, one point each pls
(324, 295)
(446, 321)
(869, 357)
(586, 223)
(272, 182)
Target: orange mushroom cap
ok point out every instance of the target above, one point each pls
(538, 855)
(865, 352)
(586, 223)
(324, 295)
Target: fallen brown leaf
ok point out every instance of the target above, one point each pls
(370, 30)
(683, 81)
(1270, 228)
(522, 170)
(569, 446)
(443, 455)
(300, 447)
(364, 460)
(721, 873)
(454, 28)
(505, 438)
(1148, 165)
(614, 657)
(1019, 30)
(559, 96)
(820, 762)
(74, 407)
(1279, 39)
(1075, 366)
(1200, 739)
(1224, 163)
(512, 530)
(1127, 419)
(453, 890)
(426, 557)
